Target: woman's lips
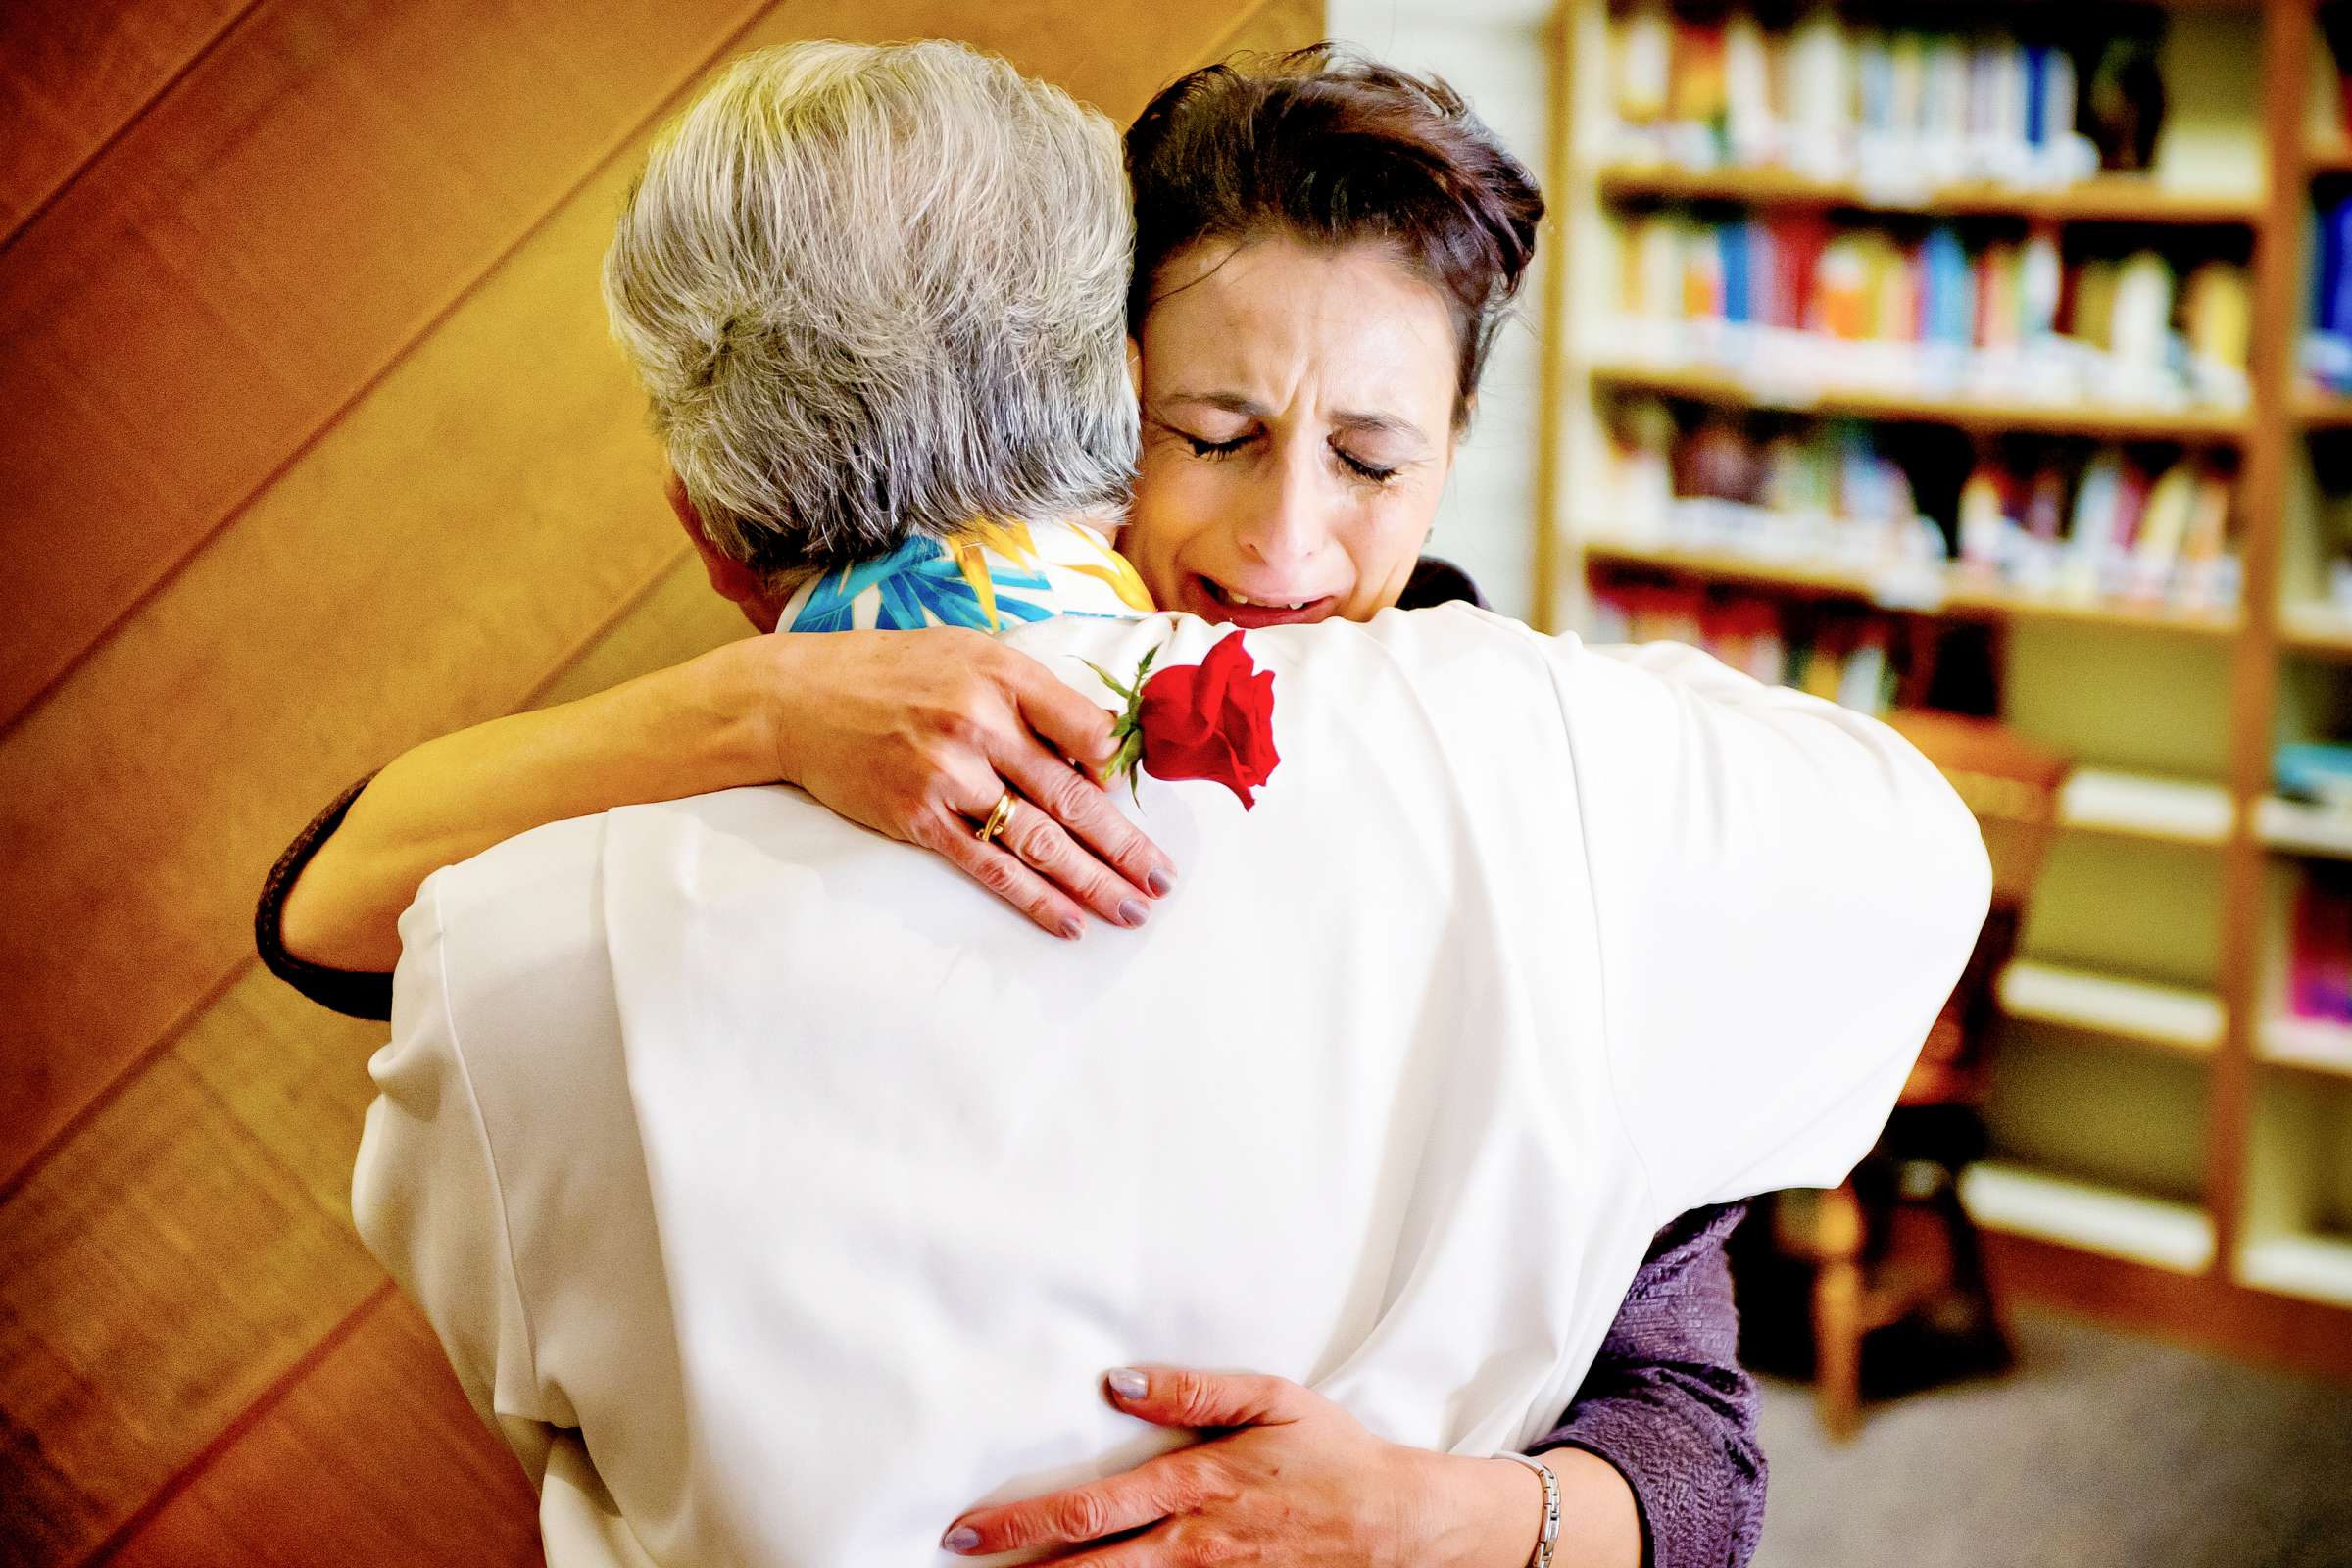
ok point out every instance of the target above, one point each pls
(1209, 604)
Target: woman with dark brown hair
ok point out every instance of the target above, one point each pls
(1325, 249)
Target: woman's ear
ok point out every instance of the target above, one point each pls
(730, 578)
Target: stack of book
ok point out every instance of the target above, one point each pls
(1899, 109)
(2328, 344)
(2109, 528)
(2315, 774)
(2319, 976)
(1802, 307)
(1844, 658)
(1829, 493)
(2077, 526)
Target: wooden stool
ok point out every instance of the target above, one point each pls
(1893, 1243)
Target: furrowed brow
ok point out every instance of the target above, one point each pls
(1378, 423)
(1225, 402)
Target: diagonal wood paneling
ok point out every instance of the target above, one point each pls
(481, 524)
(426, 563)
(418, 1482)
(258, 1069)
(259, 245)
(160, 1273)
(72, 75)
(1276, 27)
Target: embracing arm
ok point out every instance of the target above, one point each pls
(1667, 1404)
(681, 731)
(910, 733)
(1657, 1460)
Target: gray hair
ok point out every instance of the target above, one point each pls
(876, 292)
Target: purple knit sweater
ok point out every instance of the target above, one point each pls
(1667, 1403)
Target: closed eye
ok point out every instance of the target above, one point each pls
(1363, 470)
(1214, 449)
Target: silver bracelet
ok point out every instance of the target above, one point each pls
(1551, 1508)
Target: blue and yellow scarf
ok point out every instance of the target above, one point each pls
(988, 575)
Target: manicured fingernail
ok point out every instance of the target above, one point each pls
(1073, 930)
(1133, 911)
(1129, 1384)
(1160, 881)
(963, 1538)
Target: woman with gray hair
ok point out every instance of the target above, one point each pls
(828, 390)
(880, 300)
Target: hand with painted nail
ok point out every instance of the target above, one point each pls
(951, 740)
(1282, 1475)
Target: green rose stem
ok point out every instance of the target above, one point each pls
(1127, 735)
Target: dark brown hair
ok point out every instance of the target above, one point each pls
(1332, 148)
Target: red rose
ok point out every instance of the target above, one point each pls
(1212, 720)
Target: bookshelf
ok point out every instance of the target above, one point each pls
(2098, 199)
(2316, 629)
(2174, 1017)
(2321, 412)
(1902, 589)
(2186, 425)
(2295, 827)
(2172, 1147)
(2172, 811)
(2157, 1232)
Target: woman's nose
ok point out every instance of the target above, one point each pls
(1284, 524)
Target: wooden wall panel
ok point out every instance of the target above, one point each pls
(245, 259)
(225, 1167)
(416, 1483)
(480, 529)
(1278, 26)
(438, 552)
(160, 1273)
(72, 75)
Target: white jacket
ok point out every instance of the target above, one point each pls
(780, 1196)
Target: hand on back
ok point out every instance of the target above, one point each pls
(920, 734)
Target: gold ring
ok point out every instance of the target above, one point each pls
(998, 819)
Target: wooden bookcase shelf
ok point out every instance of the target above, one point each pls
(2171, 1017)
(2191, 768)
(2318, 630)
(2108, 199)
(2293, 827)
(2190, 427)
(2322, 410)
(2313, 1266)
(2162, 1233)
(1909, 592)
(2169, 810)
(2308, 1045)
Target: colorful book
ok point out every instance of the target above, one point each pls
(1948, 295)
(2142, 313)
(1645, 64)
(1751, 129)
(2040, 285)
(1695, 94)
(2162, 530)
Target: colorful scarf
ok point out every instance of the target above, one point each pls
(986, 576)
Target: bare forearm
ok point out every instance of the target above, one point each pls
(695, 727)
(1498, 1509)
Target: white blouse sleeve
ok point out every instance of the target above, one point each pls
(426, 1200)
(1785, 893)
